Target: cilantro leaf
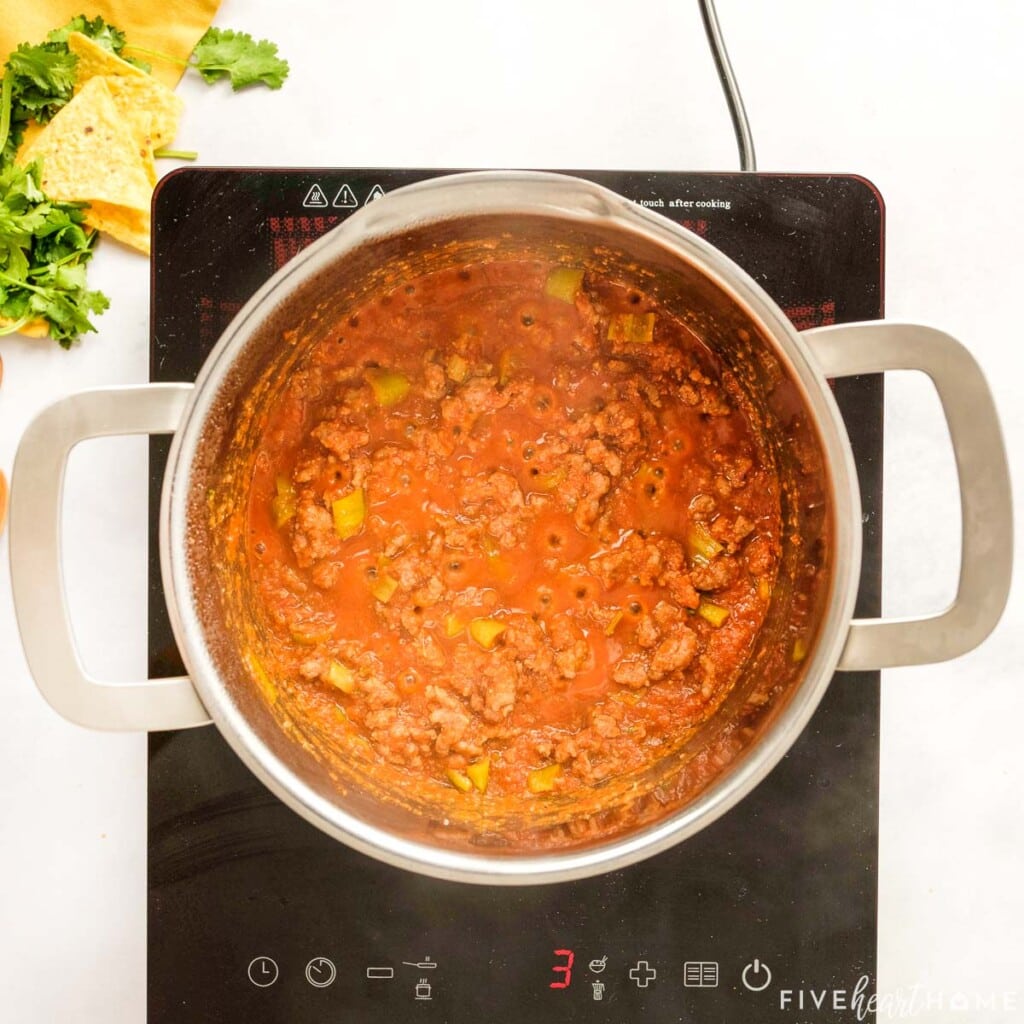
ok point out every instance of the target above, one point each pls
(223, 51)
(107, 36)
(44, 247)
(44, 79)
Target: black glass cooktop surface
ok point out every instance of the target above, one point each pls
(256, 916)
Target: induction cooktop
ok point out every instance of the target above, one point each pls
(256, 916)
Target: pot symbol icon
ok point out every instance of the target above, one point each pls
(423, 989)
(597, 966)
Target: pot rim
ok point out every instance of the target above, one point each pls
(568, 197)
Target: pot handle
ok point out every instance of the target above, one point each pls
(984, 481)
(37, 486)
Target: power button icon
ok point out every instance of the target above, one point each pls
(756, 976)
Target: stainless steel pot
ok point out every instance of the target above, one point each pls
(453, 219)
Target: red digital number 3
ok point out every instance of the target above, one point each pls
(564, 969)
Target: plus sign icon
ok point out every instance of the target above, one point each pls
(642, 973)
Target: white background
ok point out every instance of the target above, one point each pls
(924, 99)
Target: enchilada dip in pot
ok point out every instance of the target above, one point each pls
(510, 536)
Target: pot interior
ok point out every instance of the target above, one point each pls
(360, 792)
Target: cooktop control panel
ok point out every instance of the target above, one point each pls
(575, 985)
(767, 915)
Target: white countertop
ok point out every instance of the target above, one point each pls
(924, 100)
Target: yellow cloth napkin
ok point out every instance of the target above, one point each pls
(170, 26)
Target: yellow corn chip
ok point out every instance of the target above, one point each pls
(94, 61)
(121, 222)
(150, 109)
(162, 108)
(90, 155)
(33, 329)
(133, 90)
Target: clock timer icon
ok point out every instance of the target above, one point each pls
(263, 971)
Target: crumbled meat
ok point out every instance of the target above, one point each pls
(339, 438)
(521, 584)
(760, 554)
(499, 690)
(732, 531)
(703, 507)
(674, 653)
(631, 671)
(434, 383)
(720, 572)
(314, 537)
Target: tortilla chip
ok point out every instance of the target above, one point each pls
(142, 96)
(149, 109)
(138, 96)
(121, 222)
(95, 61)
(33, 329)
(90, 155)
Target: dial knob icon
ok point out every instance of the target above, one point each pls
(320, 972)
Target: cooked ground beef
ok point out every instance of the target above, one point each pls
(514, 518)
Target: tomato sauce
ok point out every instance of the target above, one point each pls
(513, 526)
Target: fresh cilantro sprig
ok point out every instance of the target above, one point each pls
(241, 58)
(224, 53)
(44, 247)
(107, 36)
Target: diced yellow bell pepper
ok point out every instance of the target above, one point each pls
(613, 622)
(701, 545)
(486, 631)
(459, 781)
(564, 283)
(716, 614)
(282, 505)
(349, 513)
(542, 780)
(457, 368)
(799, 650)
(479, 772)
(309, 634)
(342, 677)
(389, 388)
(453, 625)
(551, 481)
(508, 363)
(384, 588)
(633, 328)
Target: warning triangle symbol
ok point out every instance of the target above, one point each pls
(375, 193)
(345, 197)
(315, 197)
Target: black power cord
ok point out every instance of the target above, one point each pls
(740, 124)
